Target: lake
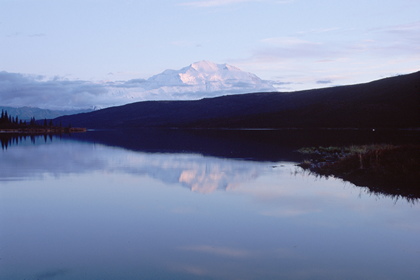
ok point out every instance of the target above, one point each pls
(152, 204)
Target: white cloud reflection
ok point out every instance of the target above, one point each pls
(104, 201)
(220, 251)
(198, 173)
(284, 192)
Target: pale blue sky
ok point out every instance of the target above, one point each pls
(301, 43)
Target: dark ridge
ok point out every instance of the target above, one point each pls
(387, 103)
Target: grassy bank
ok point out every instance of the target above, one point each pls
(387, 169)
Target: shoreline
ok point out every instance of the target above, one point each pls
(385, 169)
(41, 130)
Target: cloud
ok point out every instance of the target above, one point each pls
(29, 90)
(13, 35)
(221, 251)
(133, 83)
(292, 48)
(321, 82)
(306, 58)
(403, 38)
(18, 90)
(279, 83)
(412, 28)
(396, 40)
(37, 35)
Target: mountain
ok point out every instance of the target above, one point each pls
(26, 113)
(198, 80)
(387, 103)
(209, 77)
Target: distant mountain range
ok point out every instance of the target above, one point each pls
(196, 81)
(387, 103)
(26, 113)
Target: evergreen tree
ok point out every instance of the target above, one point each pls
(6, 117)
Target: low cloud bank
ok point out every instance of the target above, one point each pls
(18, 90)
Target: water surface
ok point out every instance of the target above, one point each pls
(88, 207)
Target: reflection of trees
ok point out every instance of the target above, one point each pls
(11, 139)
(8, 140)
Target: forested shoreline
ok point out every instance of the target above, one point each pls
(12, 124)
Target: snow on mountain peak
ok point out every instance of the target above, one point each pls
(205, 66)
(220, 76)
(198, 80)
(211, 67)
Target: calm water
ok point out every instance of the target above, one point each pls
(129, 207)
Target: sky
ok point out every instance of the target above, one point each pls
(73, 48)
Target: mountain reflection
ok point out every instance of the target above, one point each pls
(62, 157)
(201, 160)
(101, 211)
(198, 173)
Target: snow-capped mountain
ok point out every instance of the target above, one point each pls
(208, 76)
(198, 80)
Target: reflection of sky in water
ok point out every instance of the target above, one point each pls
(83, 211)
(199, 173)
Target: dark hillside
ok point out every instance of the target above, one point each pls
(387, 103)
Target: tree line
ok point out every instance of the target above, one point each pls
(13, 122)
